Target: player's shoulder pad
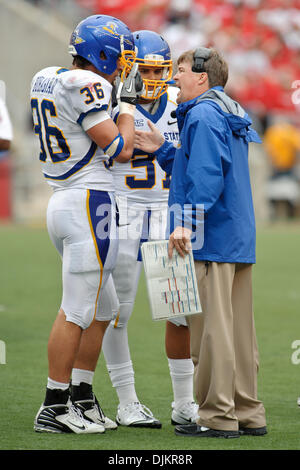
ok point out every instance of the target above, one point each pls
(47, 72)
(78, 78)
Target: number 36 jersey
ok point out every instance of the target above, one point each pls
(65, 104)
(142, 180)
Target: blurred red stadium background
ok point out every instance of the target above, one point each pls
(259, 39)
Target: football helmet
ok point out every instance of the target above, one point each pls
(153, 51)
(102, 40)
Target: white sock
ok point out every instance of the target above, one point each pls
(115, 345)
(122, 379)
(81, 375)
(182, 376)
(53, 385)
(116, 351)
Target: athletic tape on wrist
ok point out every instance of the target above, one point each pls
(126, 108)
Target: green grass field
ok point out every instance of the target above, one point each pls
(29, 298)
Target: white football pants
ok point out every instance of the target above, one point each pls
(136, 225)
(82, 226)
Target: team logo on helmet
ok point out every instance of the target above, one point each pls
(78, 40)
(111, 28)
(75, 38)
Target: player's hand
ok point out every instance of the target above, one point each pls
(148, 141)
(180, 239)
(132, 87)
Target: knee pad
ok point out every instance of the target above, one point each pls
(82, 320)
(122, 317)
(88, 291)
(126, 276)
(108, 303)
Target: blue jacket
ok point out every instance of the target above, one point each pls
(210, 171)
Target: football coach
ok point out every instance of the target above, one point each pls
(211, 168)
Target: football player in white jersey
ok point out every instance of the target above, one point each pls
(6, 130)
(71, 114)
(142, 198)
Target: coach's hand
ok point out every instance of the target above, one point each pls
(149, 141)
(180, 239)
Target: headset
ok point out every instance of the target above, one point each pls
(201, 54)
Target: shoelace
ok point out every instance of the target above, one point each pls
(138, 407)
(146, 410)
(73, 410)
(95, 406)
(98, 407)
(191, 408)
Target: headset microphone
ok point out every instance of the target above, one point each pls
(201, 54)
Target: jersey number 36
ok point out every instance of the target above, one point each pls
(47, 132)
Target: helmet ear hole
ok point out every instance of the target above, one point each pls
(103, 55)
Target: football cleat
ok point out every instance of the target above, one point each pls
(298, 401)
(83, 397)
(186, 414)
(64, 419)
(137, 415)
(93, 412)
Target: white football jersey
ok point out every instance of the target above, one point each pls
(6, 132)
(66, 103)
(142, 180)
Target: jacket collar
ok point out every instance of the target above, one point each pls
(183, 108)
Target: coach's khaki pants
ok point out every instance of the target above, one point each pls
(224, 349)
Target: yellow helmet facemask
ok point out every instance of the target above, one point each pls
(127, 59)
(154, 88)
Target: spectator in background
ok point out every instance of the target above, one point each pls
(260, 35)
(183, 28)
(282, 145)
(138, 14)
(262, 51)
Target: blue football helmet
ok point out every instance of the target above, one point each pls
(102, 40)
(153, 51)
